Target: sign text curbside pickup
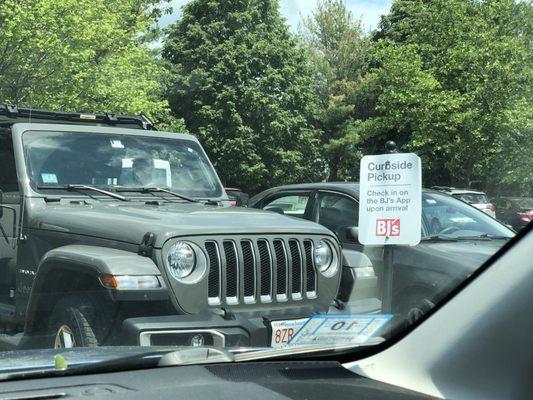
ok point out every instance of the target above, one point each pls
(390, 199)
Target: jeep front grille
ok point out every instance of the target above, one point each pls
(260, 271)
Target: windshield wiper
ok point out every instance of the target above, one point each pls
(483, 236)
(157, 190)
(438, 238)
(76, 187)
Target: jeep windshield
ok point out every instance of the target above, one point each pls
(111, 162)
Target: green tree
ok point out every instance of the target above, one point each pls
(454, 82)
(338, 48)
(244, 87)
(88, 55)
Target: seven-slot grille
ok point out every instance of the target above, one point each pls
(260, 271)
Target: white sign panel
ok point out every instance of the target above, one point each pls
(390, 199)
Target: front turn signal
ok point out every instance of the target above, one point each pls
(125, 282)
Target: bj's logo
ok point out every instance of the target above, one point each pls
(388, 227)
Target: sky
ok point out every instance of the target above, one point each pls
(368, 11)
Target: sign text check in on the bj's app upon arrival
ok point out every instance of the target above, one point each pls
(390, 199)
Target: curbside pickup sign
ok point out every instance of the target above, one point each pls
(390, 199)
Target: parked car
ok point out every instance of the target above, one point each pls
(92, 254)
(514, 211)
(477, 199)
(237, 197)
(450, 250)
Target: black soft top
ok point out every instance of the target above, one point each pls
(10, 115)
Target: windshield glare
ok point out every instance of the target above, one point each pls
(118, 161)
(444, 215)
(255, 176)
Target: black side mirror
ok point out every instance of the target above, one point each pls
(352, 234)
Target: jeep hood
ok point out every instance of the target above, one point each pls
(129, 222)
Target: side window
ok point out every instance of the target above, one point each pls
(293, 205)
(336, 211)
(8, 171)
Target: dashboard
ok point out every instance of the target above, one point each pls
(265, 380)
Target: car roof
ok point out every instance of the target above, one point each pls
(350, 188)
(465, 191)
(453, 190)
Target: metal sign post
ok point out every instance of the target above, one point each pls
(390, 208)
(388, 259)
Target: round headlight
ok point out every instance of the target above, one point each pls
(323, 256)
(181, 260)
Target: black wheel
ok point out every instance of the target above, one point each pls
(76, 321)
(415, 306)
(436, 227)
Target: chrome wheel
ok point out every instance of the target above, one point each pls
(64, 338)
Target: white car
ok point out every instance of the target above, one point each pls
(473, 197)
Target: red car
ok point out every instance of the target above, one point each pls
(237, 197)
(514, 211)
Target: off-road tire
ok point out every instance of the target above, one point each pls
(80, 317)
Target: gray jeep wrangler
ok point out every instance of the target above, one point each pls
(113, 233)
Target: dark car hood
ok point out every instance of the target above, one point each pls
(129, 222)
(466, 254)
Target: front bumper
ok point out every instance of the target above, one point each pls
(215, 330)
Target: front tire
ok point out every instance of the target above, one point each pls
(76, 322)
(415, 306)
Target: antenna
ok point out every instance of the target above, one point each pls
(31, 103)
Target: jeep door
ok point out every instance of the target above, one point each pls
(10, 200)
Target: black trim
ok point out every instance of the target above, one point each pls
(10, 115)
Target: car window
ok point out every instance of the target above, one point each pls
(113, 161)
(336, 211)
(447, 216)
(293, 205)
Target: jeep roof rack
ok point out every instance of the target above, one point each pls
(10, 114)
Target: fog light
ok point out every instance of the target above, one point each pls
(197, 341)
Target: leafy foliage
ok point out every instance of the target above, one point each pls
(243, 86)
(338, 48)
(449, 79)
(454, 82)
(82, 55)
